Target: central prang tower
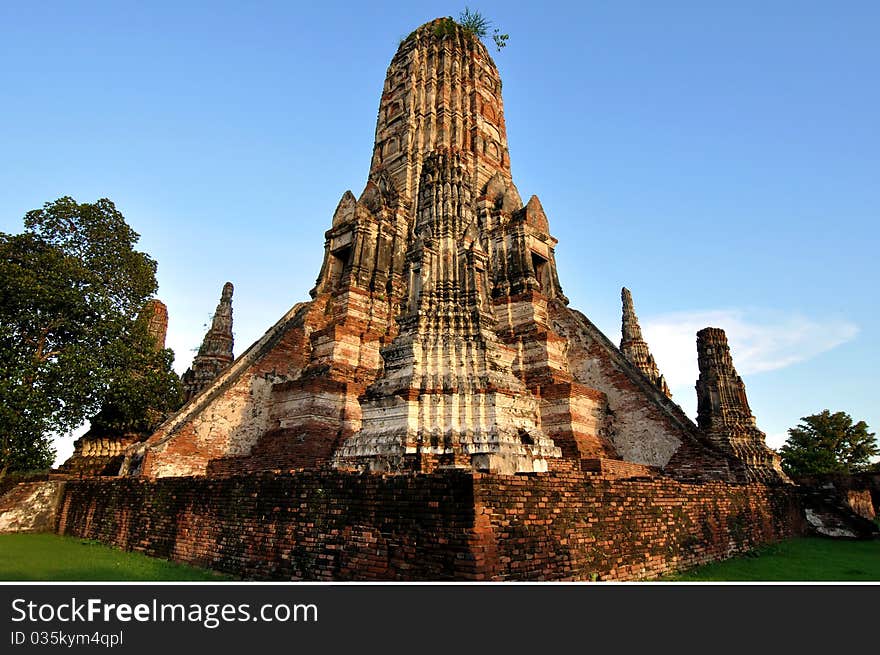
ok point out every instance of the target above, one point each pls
(448, 394)
(437, 334)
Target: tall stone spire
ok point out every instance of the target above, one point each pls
(634, 347)
(215, 353)
(723, 413)
(448, 381)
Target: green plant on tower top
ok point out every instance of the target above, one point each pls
(474, 23)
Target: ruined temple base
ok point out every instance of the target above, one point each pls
(30, 506)
(446, 525)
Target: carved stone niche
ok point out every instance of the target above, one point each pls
(340, 257)
(338, 246)
(541, 266)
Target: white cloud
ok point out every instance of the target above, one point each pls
(776, 440)
(760, 340)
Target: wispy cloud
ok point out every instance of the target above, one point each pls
(760, 340)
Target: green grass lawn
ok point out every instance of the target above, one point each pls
(56, 558)
(804, 559)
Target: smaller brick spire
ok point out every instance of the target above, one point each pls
(723, 412)
(634, 347)
(215, 353)
(155, 313)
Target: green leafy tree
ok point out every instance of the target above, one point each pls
(828, 443)
(71, 286)
(144, 389)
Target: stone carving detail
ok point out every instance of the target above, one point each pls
(448, 395)
(634, 347)
(723, 413)
(440, 93)
(215, 353)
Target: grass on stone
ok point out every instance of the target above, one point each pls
(50, 557)
(806, 559)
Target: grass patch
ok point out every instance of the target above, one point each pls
(805, 559)
(55, 558)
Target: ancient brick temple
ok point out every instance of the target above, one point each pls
(438, 334)
(436, 410)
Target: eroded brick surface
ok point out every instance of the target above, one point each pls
(723, 412)
(332, 525)
(303, 526)
(552, 527)
(30, 506)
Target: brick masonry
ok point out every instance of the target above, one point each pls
(570, 527)
(446, 525)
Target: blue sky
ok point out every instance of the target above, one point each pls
(721, 162)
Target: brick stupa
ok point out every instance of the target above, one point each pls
(437, 334)
(215, 353)
(635, 348)
(723, 411)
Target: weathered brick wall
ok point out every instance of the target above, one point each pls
(616, 468)
(860, 501)
(872, 482)
(231, 414)
(571, 526)
(332, 525)
(309, 525)
(12, 479)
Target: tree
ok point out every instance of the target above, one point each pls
(71, 286)
(144, 389)
(828, 443)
